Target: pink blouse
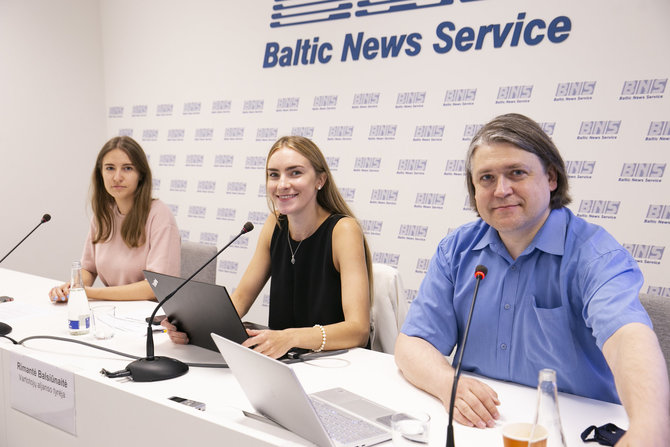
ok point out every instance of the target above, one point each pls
(116, 264)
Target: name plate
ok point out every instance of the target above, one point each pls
(43, 391)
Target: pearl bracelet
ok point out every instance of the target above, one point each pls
(323, 338)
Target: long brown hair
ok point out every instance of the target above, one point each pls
(132, 228)
(328, 197)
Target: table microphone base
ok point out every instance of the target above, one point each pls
(156, 368)
(5, 328)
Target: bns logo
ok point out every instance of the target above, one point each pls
(648, 254)
(289, 12)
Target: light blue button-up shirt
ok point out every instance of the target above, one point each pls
(552, 307)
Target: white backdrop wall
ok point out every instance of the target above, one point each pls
(188, 81)
(52, 124)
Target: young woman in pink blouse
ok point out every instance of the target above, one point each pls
(130, 231)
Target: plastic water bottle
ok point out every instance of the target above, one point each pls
(547, 416)
(78, 311)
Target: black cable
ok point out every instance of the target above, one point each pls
(10, 339)
(122, 354)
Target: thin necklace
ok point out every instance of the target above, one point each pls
(293, 253)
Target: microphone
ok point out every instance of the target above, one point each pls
(480, 273)
(45, 218)
(5, 328)
(154, 368)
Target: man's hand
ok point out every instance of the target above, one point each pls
(476, 404)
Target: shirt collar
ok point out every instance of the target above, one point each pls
(550, 238)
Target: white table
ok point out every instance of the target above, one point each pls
(113, 412)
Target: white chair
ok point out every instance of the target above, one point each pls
(193, 256)
(389, 308)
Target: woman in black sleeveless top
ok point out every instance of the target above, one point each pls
(315, 251)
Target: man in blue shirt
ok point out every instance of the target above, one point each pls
(560, 293)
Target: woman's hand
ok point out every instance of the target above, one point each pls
(180, 338)
(59, 294)
(271, 343)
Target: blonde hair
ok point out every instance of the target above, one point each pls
(328, 197)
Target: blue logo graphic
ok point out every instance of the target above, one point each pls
(413, 232)
(257, 217)
(225, 214)
(391, 259)
(428, 133)
(221, 106)
(455, 167)
(658, 131)
(164, 109)
(204, 134)
(253, 106)
(410, 100)
(228, 266)
(660, 291)
(208, 238)
(348, 194)
(366, 100)
(599, 130)
(431, 200)
(197, 212)
(646, 254)
(367, 164)
(575, 91)
(207, 186)
(192, 108)
(223, 161)
(643, 89)
(548, 127)
(115, 112)
(289, 13)
(288, 104)
(333, 163)
(384, 196)
(233, 134)
(156, 184)
(382, 132)
(255, 162)
(139, 110)
(514, 94)
(410, 166)
(150, 135)
(167, 160)
(340, 133)
(658, 214)
(267, 134)
(236, 188)
(176, 134)
(307, 132)
(642, 172)
(580, 168)
(126, 133)
(174, 209)
(460, 97)
(372, 227)
(325, 102)
(470, 131)
(195, 160)
(601, 209)
(422, 265)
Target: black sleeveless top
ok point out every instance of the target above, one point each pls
(307, 292)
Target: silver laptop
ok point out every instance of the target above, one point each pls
(331, 417)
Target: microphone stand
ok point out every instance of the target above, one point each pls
(154, 368)
(4, 327)
(480, 273)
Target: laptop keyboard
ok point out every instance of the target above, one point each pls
(343, 427)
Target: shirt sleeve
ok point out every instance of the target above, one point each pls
(611, 284)
(431, 315)
(164, 241)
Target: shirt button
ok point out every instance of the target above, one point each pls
(503, 346)
(507, 307)
(513, 267)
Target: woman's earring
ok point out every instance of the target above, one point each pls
(319, 187)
